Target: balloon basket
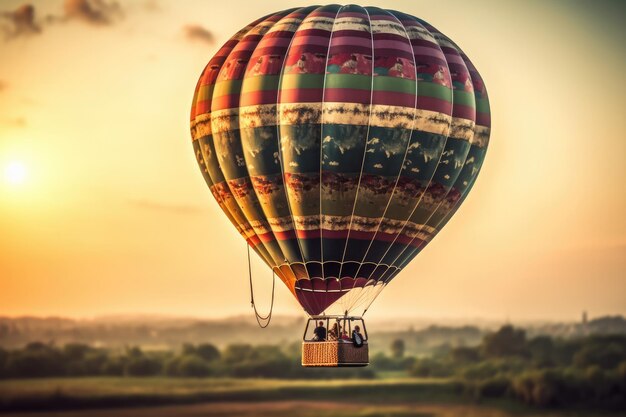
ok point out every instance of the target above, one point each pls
(338, 347)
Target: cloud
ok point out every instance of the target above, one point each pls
(20, 22)
(3, 85)
(97, 12)
(166, 207)
(199, 33)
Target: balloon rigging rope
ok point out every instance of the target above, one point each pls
(263, 321)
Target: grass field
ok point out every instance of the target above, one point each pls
(248, 397)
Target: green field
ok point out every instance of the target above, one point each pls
(249, 397)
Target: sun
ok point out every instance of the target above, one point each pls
(15, 173)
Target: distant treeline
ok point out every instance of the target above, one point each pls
(171, 333)
(40, 360)
(539, 371)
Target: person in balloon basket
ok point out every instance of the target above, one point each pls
(334, 332)
(357, 337)
(345, 337)
(320, 332)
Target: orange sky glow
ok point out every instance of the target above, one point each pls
(103, 209)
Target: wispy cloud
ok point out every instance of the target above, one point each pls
(199, 33)
(23, 22)
(166, 207)
(96, 12)
(3, 86)
(20, 22)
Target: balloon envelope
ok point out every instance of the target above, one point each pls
(338, 140)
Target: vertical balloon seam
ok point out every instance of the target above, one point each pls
(471, 68)
(409, 249)
(237, 207)
(247, 236)
(259, 26)
(315, 282)
(424, 243)
(305, 302)
(384, 282)
(421, 195)
(275, 267)
(200, 159)
(278, 138)
(330, 40)
(367, 134)
(420, 227)
(432, 178)
(394, 274)
(289, 264)
(262, 210)
(238, 212)
(348, 301)
(342, 301)
(408, 144)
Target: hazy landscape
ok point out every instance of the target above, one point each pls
(234, 368)
(157, 332)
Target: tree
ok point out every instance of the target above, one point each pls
(4, 355)
(208, 352)
(138, 364)
(541, 350)
(236, 353)
(194, 366)
(35, 360)
(465, 355)
(397, 348)
(508, 341)
(605, 356)
(75, 351)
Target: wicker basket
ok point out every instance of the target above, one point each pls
(334, 354)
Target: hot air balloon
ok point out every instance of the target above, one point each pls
(339, 140)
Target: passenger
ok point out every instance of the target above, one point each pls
(345, 337)
(333, 334)
(320, 332)
(357, 337)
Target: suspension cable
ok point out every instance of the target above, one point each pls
(263, 321)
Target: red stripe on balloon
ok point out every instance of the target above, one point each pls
(347, 95)
(464, 112)
(483, 119)
(434, 104)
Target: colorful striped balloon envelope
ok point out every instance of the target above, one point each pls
(339, 140)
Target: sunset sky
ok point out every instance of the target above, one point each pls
(103, 209)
